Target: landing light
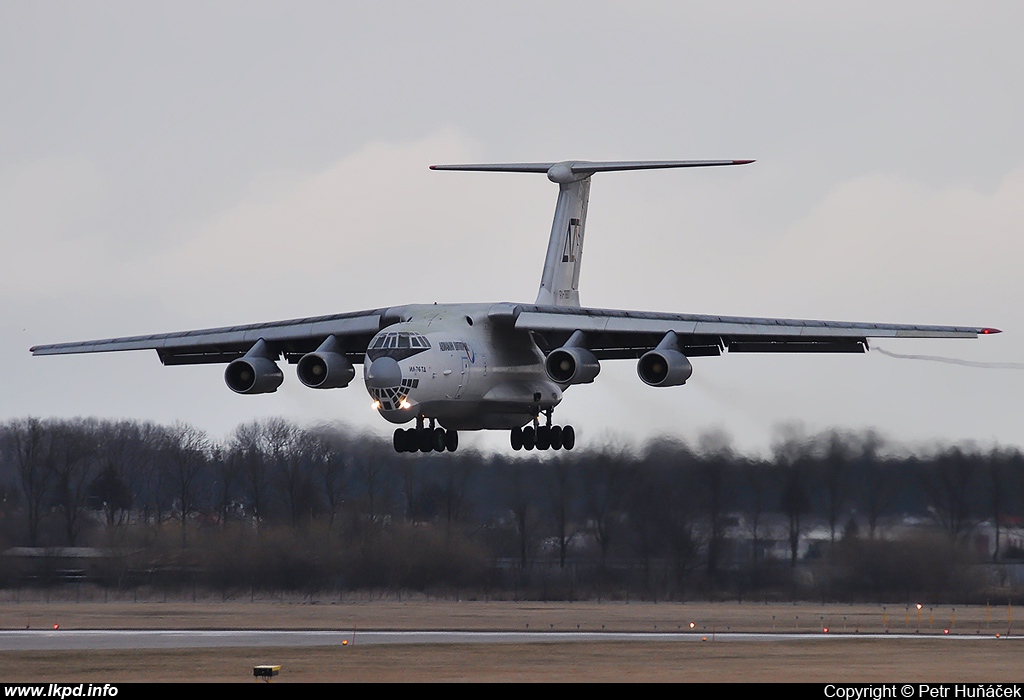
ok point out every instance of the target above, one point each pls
(376, 405)
(405, 403)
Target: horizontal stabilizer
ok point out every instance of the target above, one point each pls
(572, 170)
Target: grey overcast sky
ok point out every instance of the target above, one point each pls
(166, 166)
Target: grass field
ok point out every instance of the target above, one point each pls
(909, 654)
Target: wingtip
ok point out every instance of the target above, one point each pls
(743, 162)
(990, 331)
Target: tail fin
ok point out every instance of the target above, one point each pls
(559, 282)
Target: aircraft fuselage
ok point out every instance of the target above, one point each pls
(452, 363)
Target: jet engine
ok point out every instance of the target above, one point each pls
(255, 372)
(665, 365)
(572, 363)
(253, 375)
(327, 368)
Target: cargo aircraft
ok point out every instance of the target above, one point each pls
(499, 366)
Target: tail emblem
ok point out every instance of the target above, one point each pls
(572, 241)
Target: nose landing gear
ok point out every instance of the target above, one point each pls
(425, 439)
(543, 437)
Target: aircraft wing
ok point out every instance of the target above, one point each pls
(614, 334)
(291, 339)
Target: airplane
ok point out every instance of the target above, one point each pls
(499, 366)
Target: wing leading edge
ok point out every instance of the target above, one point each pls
(612, 334)
(290, 339)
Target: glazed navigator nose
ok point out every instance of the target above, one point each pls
(383, 373)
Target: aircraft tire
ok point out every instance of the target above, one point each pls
(412, 442)
(516, 438)
(451, 440)
(426, 440)
(555, 437)
(568, 437)
(529, 438)
(438, 436)
(543, 437)
(399, 440)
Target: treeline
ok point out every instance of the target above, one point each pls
(283, 507)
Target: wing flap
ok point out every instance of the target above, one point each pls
(614, 334)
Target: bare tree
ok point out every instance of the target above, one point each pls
(519, 498)
(792, 456)
(247, 454)
(370, 468)
(125, 450)
(30, 445)
(948, 482)
(716, 455)
(876, 475)
(834, 465)
(75, 448)
(1004, 468)
(187, 451)
(332, 471)
(606, 481)
(758, 480)
(303, 453)
(560, 489)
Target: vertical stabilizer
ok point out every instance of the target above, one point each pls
(560, 280)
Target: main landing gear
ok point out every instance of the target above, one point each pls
(543, 437)
(425, 439)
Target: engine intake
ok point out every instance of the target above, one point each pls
(665, 365)
(255, 372)
(327, 367)
(325, 370)
(572, 363)
(253, 375)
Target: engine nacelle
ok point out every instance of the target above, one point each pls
(325, 370)
(253, 375)
(572, 365)
(664, 367)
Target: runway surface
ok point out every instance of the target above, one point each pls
(63, 640)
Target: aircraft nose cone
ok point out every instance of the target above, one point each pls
(383, 372)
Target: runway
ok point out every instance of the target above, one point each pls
(65, 640)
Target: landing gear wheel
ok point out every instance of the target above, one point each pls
(568, 437)
(451, 440)
(412, 440)
(555, 437)
(516, 438)
(399, 440)
(543, 437)
(426, 440)
(529, 438)
(438, 437)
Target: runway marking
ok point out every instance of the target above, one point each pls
(40, 640)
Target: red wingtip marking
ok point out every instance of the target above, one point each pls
(433, 167)
(743, 162)
(990, 331)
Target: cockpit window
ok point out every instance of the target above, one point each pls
(397, 344)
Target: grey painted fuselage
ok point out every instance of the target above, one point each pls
(476, 373)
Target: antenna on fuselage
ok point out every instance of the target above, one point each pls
(559, 282)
